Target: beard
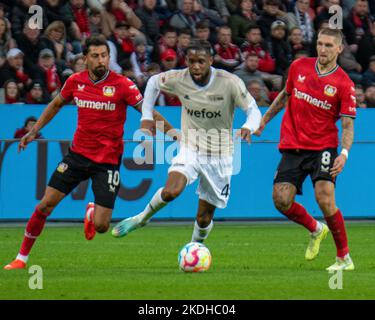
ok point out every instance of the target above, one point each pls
(99, 72)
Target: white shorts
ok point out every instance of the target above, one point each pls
(214, 174)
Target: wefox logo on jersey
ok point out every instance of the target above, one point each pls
(107, 106)
(203, 113)
(311, 100)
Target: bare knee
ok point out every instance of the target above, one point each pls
(326, 204)
(169, 194)
(101, 227)
(282, 198)
(47, 206)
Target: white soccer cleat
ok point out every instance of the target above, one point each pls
(345, 264)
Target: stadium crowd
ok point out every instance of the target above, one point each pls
(255, 39)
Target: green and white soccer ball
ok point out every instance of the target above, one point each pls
(194, 257)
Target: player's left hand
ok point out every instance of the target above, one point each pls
(338, 165)
(245, 134)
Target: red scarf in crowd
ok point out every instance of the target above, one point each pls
(82, 20)
(21, 76)
(53, 80)
(126, 44)
(9, 100)
(119, 14)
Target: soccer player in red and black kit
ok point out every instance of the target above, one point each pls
(102, 97)
(319, 93)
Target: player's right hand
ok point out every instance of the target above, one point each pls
(26, 139)
(148, 127)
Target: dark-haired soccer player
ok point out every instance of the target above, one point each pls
(320, 93)
(209, 97)
(102, 97)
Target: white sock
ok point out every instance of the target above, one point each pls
(200, 234)
(22, 258)
(319, 228)
(152, 207)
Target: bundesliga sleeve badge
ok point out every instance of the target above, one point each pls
(109, 91)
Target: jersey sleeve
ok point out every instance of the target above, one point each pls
(68, 88)
(348, 107)
(167, 81)
(242, 96)
(131, 93)
(289, 85)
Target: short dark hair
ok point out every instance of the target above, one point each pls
(167, 28)
(200, 45)
(185, 31)
(95, 40)
(272, 3)
(252, 27)
(27, 120)
(337, 33)
(202, 24)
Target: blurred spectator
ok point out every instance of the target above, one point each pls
(150, 21)
(47, 72)
(183, 41)
(360, 97)
(56, 34)
(202, 31)
(228, 56)
(370, 96)
(31, 43)
(119, 11)
(12, 92)
(127, 70)
(350, 65)
(366, 48)
(36, 94)
(279, 47)
(168, 39)
(369, 75)
(6, 40)
(296, 41)
(359, 17)
(28, 125)
(203, 13)
(271, 12)
(259, 93)
(219, 6)
(20, 15)
(254, 43)
(249, 71)
(123, 45)
(54, 12)
(140, 60)
(14, 69)
(302, 19)
(242, 20)
(96, 21)
(185, 16)
(78, 63)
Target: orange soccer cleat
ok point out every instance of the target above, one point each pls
(16, 264)
(89, 223)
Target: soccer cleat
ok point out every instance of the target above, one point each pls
(342, 264)
(126, 226)
(16, 264)
(312, 250)
(89, 226)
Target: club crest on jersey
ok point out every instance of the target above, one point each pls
(109, 91)
(329, 90)
(62, 167)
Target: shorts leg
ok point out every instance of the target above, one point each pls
(323, 164)
(290, 170)
(72, 170)
(186, 163)
(105, 184)
(215, 177)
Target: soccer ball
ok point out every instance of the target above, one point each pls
(194, 257)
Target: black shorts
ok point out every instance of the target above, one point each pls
(75, 168)
(296, 165)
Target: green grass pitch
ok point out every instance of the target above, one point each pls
(252, 261)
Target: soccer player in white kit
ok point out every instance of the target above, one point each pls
(209, 97)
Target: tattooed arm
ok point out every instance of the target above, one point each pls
(276, 106)
(346, 142)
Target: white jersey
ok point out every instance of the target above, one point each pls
(207, 112)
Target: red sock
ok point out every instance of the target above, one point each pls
(337, 226)
(298, 214)
(33, 230)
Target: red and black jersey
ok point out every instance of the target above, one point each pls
(316, 102)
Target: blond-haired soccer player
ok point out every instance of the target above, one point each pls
(209, 97)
